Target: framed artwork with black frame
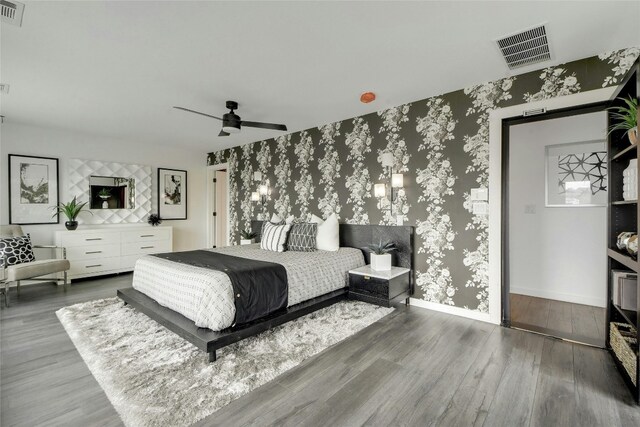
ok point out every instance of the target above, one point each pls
(172, 194)
(33, 190)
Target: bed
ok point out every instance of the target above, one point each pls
(199, 303)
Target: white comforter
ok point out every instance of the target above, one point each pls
(206, 296)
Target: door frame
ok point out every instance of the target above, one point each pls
(497, 187)
(211, 223)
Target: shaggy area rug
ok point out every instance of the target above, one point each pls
(155, 378)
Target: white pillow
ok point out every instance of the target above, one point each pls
(274, 237)
(328, 238)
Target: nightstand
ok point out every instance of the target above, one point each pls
(384, 288)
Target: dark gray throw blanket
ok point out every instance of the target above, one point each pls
(259, 287)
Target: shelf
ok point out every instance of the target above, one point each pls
(630, 152)
(630, 316)
(625, 202)
(623, 259)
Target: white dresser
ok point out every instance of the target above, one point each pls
(108, 250)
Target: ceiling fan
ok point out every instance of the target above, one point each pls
(231, 122)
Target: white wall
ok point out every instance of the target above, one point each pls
(30, 140)
(556, 253)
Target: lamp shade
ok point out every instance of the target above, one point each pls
(264, 190)
(255, 196)
(379, 190)
(231, 128)
(397, 180)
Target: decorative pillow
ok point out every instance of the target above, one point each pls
(274, 237)
(302, 237)
(17, 250)
(328, 237)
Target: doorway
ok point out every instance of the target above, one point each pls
(554, 223)
(217, 206)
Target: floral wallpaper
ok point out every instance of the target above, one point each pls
(440, 144)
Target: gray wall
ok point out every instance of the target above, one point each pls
(442, 147)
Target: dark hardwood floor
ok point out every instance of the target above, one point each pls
(576, 322)
(414, 367)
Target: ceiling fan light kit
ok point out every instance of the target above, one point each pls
(232, 123)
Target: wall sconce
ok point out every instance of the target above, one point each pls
(262, 194)
(257, 176)
(396, 180)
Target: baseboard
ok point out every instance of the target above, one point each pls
(462, 312)
(559, 296)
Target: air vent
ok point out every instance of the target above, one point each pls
(11, 12)
(525, 48)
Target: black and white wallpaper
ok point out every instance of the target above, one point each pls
(440, 144)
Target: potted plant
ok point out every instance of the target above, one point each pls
(381, 255)
(71, 210)
(104, 194)
(248, 237)
(626, 118)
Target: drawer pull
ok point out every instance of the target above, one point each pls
(146, 247)
(147, 235)
(93, 238)
(93, 266)
(93, 252)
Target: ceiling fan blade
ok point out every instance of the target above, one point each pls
(223, 133)
(197, 112)
(263, 125)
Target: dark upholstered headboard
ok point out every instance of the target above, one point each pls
(361, 236)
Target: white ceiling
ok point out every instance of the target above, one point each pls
(116, 68)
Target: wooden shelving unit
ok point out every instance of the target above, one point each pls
(623, 216)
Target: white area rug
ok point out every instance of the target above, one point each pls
(155, 378)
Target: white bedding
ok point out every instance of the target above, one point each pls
(206, 296)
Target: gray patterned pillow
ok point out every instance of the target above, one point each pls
(17, 250)
(302, 237)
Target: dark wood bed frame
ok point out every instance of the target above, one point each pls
(356, 236)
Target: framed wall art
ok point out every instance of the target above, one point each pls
(576, 174)
(33, 189)
(172, 194)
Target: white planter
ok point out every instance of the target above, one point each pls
(381, 262)
(247, 241)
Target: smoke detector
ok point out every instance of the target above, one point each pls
(11, 12)
(525, 47)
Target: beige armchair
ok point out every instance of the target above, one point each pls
(30, 270)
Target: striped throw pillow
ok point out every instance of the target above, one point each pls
(302, 237)
(274, 237)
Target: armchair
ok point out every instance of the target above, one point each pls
(30, 270)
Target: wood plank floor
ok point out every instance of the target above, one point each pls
(576, 322)
(414, 367)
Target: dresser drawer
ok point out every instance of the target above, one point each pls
(93, 251)
(378, 288)
(149, 235)
(89, 266)
(73, 238)
(129, 261)
(141, 248)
